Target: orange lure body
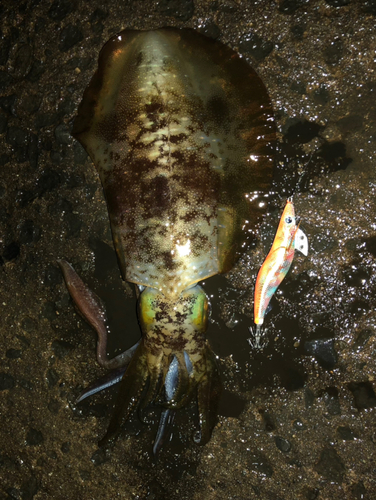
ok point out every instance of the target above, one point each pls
(277, 264)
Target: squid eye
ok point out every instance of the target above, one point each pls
(288, 220)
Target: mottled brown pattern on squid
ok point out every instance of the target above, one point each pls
(171, 120)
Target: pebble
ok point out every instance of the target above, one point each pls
(179, 9)
(282, 444)
(6, 381)
(323, 351)
(70, 35)
(330, 465)
(364, 395)
(34, 437)
(255, 46)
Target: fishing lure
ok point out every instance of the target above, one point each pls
(276, 265)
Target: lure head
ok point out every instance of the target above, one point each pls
(285, 236)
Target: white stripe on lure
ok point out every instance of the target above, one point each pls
(276, 265)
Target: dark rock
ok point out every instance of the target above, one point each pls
(48, 181)
(65, 447)
(29, 325)
(359, 491)
(179, 9)
(364, 396)
(52, 377)
(230, 405)
(290, 6)
(74, 224)
(5, 80)
(301, 131)
(210, 29)
(80, 155)
(34, 437)
(255, 46)
(356, 275)
(268, 420)
(45, 120)
(98, 15)
(371, 245)
(5, 46)
(330, 465)
(62, 134)
(299, 425)
(69, 36)
(29, 488)
(52, 276)
(311, 493)
(323, 243)
(323, 351)
(13, 353)
(54, 406)
(334, 153)
(60, 9)
(30, 104)
(333, 53)
(7, 103)
(66, 107)
(11, 251)
(282, 444)
(331, 401)
(350, 123)
(28, 232)
(23, 61)
(362, 338)
(298, 31)
(49, 311)
(6, 381)
(3, 121)
(321, 95)
(61, 348)
(345, 433)
(36, 71)
(338, 3)
(25, 145)
(309, 398)
(99, 457)
(25, 384)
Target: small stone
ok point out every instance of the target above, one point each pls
(6, 381)
(333, 52)
(179, 9)
(282, 444)
(330, 465)
(54, 406)
(11, 251)
(345, 433)
(34, 437)
(62, 134)
(52, 377)
(28, 232)
(331, 401)
(61, 348)
(323, 351)
(13, 353)
(364, 395)
(255, 46)
(23, 61)
(99, 456)
(65, 447)
(60, 9)
(299, 425)
(52, 276)
(69, 36)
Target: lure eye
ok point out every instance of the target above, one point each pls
(288, 220)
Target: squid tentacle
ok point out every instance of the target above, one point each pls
(92, 309)
(132, 385)
(208, 395)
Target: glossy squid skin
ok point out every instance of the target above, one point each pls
(180, 129)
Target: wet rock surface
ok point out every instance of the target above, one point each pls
(297, 419)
